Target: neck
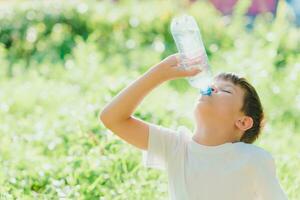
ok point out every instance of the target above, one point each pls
(211, 137)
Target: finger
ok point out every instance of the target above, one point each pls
(194, 72)
(197, 60)
(178, 60)
(193, 61)
(191, 72)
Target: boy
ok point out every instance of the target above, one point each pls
(218, 161)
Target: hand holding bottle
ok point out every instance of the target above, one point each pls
(172, 67)
(187, 36)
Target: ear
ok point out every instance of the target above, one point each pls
(244, 123)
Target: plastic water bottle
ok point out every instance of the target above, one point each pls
(188, 40)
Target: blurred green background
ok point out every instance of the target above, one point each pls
(61, 62)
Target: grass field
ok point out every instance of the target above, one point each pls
(61, 63)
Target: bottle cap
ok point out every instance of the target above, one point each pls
(207, 91)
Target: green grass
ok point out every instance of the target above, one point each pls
(52, 144)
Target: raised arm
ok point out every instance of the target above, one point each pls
(117, 115)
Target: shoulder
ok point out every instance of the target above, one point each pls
(156, 129)
(256, 152)
(163, 133)
(184, 133)
(252, 149)
(257, 156)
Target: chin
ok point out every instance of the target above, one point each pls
(203, 112)
(200, 107)
(198, 113)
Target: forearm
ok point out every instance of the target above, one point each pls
(123, 105)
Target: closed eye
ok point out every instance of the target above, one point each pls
(226, 91)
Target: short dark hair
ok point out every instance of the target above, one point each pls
(252, 106)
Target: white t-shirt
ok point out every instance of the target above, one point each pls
(199, 172)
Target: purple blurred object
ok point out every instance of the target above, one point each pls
(256, 7)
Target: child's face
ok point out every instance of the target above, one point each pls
(222, 108)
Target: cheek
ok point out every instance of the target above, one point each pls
(225, 109)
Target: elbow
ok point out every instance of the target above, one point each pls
(108, 120)
(104, 118)
(101, 118)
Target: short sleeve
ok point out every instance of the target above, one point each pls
(266, 180)
(162, 143)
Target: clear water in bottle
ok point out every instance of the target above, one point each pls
(186, 34)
